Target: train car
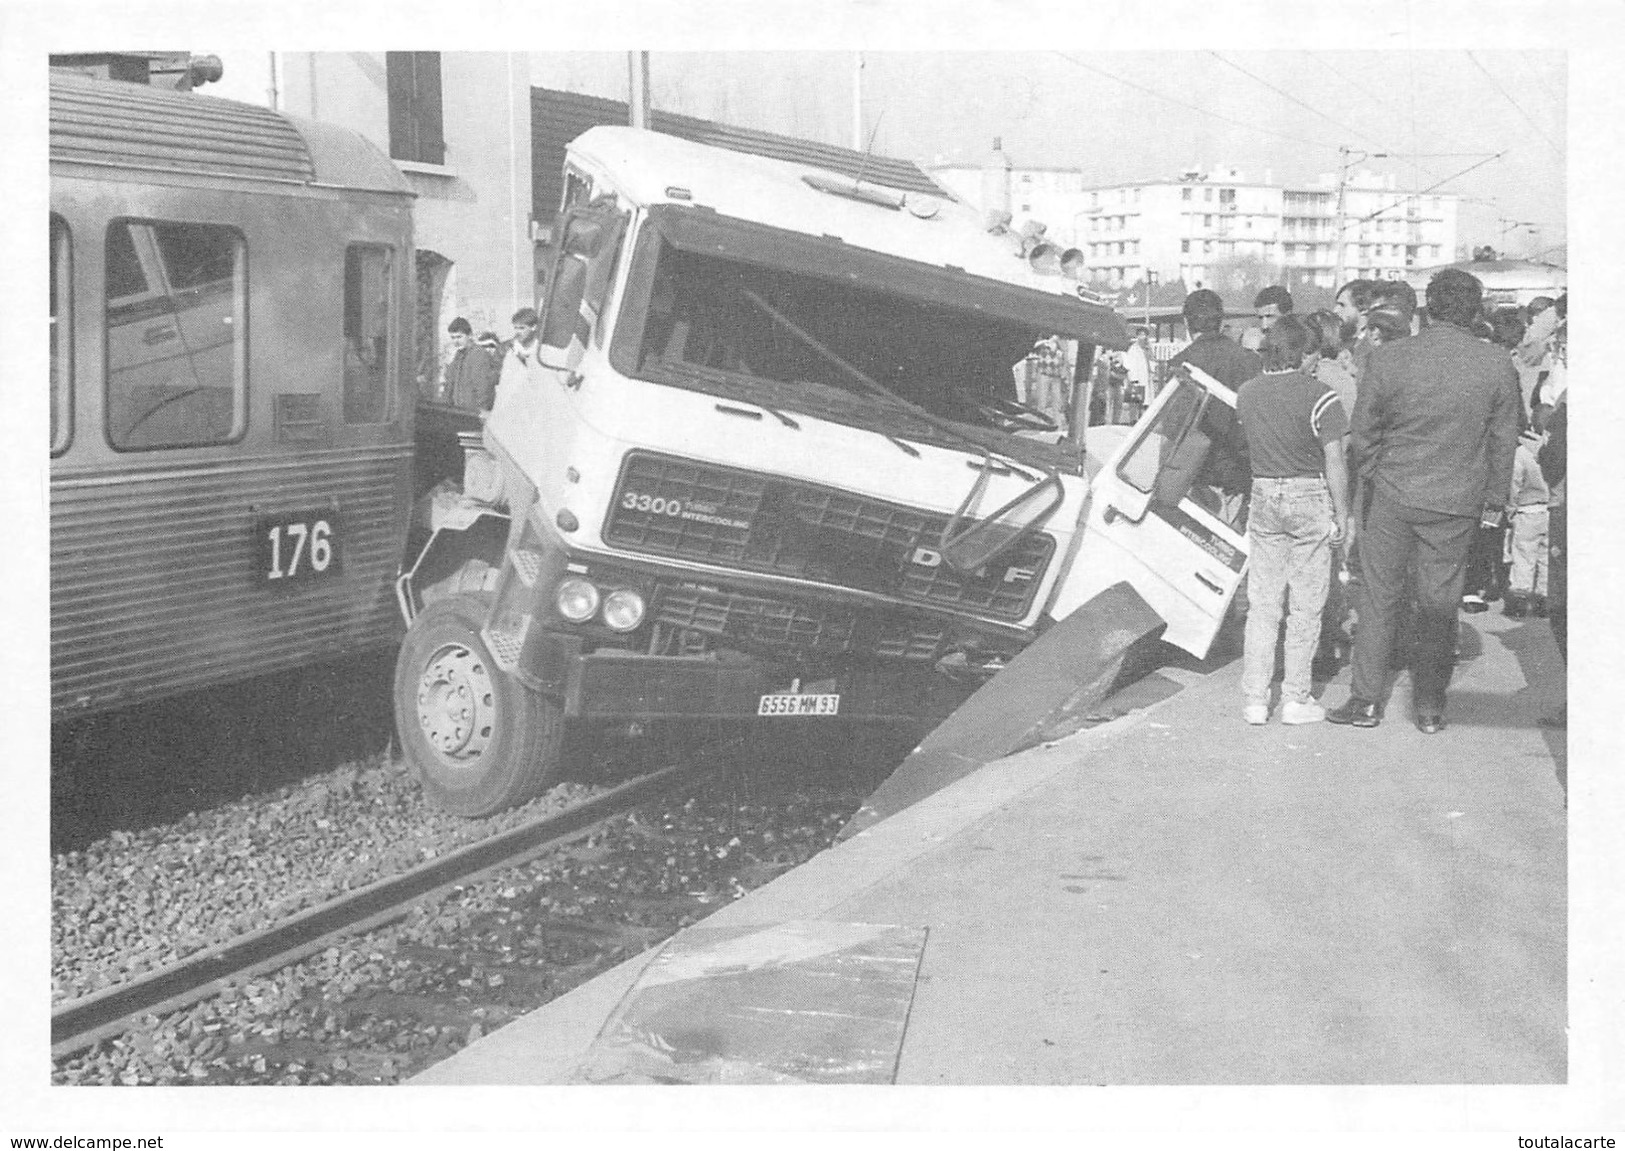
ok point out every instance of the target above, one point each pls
(231, 412)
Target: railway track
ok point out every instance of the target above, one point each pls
(83, 1022)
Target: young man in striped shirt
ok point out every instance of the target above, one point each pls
(1294, 427)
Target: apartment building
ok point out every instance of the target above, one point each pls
(1207, 227)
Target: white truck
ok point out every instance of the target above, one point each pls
(774, 465)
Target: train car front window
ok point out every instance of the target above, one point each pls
(368, 365)
(177, 305)
(61, 335)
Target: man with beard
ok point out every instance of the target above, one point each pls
(1353, 298)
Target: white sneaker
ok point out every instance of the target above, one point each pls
(1256, 713)
(1294, 712)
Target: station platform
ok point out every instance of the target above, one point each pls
(1174, 897)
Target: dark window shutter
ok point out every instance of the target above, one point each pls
(398, 70)
(416, 132)
(431, 130)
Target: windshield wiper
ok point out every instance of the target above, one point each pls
(875, 386)
(721, 376)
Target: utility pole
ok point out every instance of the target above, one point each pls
(1337, 228)
(1350, 158)
(857, 105)
(637, 64)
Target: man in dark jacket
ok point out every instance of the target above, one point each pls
(1435, 431)
(471, 377)
(1224, 360)
(1232, 365)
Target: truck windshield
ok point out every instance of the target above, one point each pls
(805, 343)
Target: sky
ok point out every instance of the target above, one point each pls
(1488, 125)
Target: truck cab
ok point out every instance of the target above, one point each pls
(772, 462)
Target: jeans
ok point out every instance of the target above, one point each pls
(1289, 534)
(1529, 529)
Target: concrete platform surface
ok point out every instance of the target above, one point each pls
(1177, 898)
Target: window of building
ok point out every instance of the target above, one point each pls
(1026, 207)
(1227, 196)
(1122, 196)
(1094, 200)
(1207, 194)
(416, 127)
(61, 335)
(1207, 221)
(369, 362)
(1184, 245)
(177, 304)
(1184, 193)
(1207, 246)
(1136, 195)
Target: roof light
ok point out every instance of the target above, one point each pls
(853, 190)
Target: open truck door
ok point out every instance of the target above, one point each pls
(1167, 514)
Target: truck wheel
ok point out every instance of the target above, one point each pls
(478, 740)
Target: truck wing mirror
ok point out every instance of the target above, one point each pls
(578, 282)
(967, 548)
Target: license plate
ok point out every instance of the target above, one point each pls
(298, 547)
(787, 704)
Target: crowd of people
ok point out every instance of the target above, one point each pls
(1426, 447)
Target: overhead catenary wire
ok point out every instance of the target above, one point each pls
(1285, 95)
(1194, 107)
(1521, 111)
(1431, 187)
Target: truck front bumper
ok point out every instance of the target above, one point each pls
(612, 685)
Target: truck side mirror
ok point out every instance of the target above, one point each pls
(578, 283)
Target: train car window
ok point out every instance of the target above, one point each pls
(61, 335)
(177, 304)
(368, 365)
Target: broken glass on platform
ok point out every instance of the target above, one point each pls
(797, 1002)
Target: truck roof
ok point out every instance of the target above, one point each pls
(647, 166)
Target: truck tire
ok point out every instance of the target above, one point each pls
(478, 740)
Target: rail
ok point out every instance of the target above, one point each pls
(83, 1022)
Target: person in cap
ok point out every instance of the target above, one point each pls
(1435, 430)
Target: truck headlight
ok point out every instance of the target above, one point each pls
(623, 610)
(577, 600)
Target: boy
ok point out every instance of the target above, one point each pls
(1294, 426)
(1527, 508)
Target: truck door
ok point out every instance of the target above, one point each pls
(1168, 513)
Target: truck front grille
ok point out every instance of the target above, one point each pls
(758, 522)
(796, 631)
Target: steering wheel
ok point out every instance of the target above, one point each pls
(1010, 416)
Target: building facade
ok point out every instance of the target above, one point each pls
(458, 125)
(1217, 229)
